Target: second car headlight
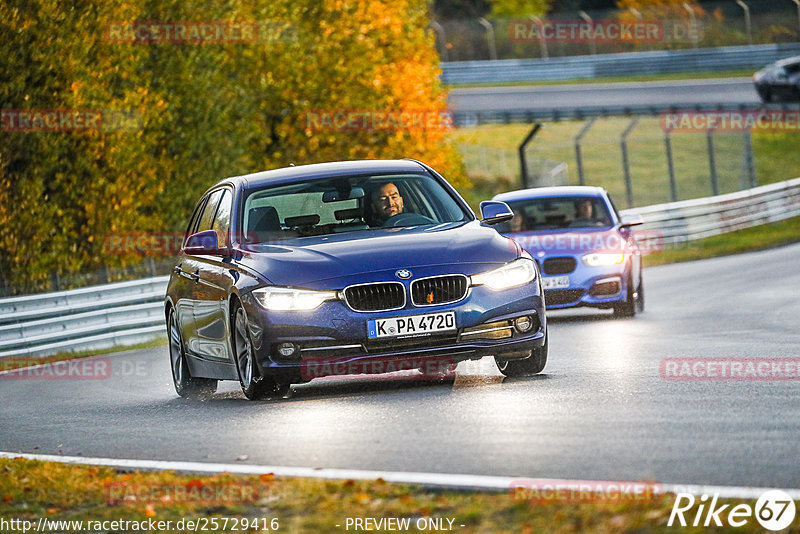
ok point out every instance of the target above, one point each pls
(287, 299)
(603, 259)
(512, 274)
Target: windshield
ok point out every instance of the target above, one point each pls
(554, 213)
(346, 204)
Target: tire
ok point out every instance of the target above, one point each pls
(255, 386)
(640, 296)
(186, 385)
(627, 308)
(532, 365)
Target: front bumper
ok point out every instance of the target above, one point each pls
(332, 339)
(597, 287)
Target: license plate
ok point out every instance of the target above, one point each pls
(555, 282)
(411, 325)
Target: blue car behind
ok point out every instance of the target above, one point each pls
(587, 254)
(347, 268)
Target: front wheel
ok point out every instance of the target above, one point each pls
(186, 385)
(634, 300)
(254, 385)
(532, 365)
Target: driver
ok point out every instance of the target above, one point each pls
(584, 209)
(386, 202)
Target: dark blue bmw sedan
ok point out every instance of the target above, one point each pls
(359, 267)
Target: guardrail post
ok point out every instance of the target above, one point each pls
(797, 3)
(577, 142)
(542, 40)
(749, 171)
(442, 38)
(712, 164)
(673, 186)
(747, 25)
(585, 16)
(693, 22)
(55, 280)
(625, 166)
(523, 163)
(489, 37)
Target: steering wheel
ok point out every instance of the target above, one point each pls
(407, 219)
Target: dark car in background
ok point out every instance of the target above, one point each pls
(779, 81)
(291, 274)
(587, 253)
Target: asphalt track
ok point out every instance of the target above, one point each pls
(683, 93)
(601, 411)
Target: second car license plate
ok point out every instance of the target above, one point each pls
(555, 282)
(411, 325)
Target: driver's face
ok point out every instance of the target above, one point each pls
(584, 209)
(387, 201)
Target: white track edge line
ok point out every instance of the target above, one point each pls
(446, 480)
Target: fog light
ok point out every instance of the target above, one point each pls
(523, 324)
(286, 349)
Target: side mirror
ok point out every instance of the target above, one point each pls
(493, 212)
(204, 243)
(633, 219)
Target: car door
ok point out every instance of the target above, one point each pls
(214, 281)
(184, 283)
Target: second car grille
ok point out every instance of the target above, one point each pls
(376, 297)
(563, 265)
(438, 290)
(562, 296)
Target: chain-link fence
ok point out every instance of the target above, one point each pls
(646, 166)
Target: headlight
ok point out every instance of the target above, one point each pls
(601, 260)
(512, 274)
(286, 299)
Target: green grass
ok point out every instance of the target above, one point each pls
(619, 79)
(492, 163)
(746, 240)
(15, 362)
(32, 489)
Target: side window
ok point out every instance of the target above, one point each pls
(207, 218)
(195, 217)
(222, 221)
(614, 207)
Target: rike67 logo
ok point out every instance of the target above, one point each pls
(774, 510)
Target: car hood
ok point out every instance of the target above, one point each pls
(299, 262)
(569, 241)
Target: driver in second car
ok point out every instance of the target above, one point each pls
(386, 202)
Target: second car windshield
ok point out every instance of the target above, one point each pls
(556, 213)
(346, 204)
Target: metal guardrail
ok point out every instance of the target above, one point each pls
(687, 220)
(611, 65)
(89, 318)
(132, 312)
